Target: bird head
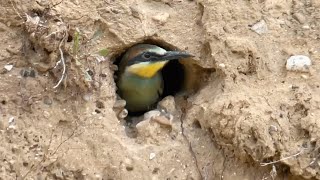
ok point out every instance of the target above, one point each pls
(146, 60)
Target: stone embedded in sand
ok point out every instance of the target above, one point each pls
(161, 18)
(168, 104)
(299, 17)
(260, 27)
(158, 117)
(58, 173)
(153, 124)
(143, 127)
(298, 63)
(152, 156)
(120, 104)
(305, 27)
(119, 107)
(221, 65)
(87, 97)
(162, 120)
(124, 113)
(12, 123)
(305, 76)
(8, 67)
(114, 67)
(151, 114)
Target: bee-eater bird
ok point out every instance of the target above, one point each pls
(140, 81)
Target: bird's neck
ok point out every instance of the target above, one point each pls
(146, 69)
(142, 75)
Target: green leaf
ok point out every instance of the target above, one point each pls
(103, 52)
(76, 42)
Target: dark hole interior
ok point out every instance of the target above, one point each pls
(173, 75)
(196, 124)
(70, 38)
(99, 104)
(3, 102)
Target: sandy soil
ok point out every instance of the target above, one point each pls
(245, 109)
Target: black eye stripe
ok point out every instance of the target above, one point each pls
(146, 55)
(140, 58)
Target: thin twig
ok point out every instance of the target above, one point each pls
(61, 143)
(17, 12)
(285, 158)
(49, 155)
(53, 33)
(62, 61)
(42, 160)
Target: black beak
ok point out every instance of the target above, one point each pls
(171, 55)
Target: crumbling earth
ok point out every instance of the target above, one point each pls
(246, 116)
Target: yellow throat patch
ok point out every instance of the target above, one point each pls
(146, 69)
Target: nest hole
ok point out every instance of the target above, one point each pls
(179, 76)
(3, 102)
(196, 124)
(173, 73)
(70, 38)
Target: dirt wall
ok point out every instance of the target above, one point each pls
(249, 110)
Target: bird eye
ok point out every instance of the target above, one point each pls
(146, 55)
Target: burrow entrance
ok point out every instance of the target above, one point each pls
(183, 76)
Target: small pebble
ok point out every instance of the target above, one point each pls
(162, 120)
(161, 18)
(87, 97)
(47, 100)
(120, 103)
(152, 156)
(99, 58)
(114, 67)
(298, 63)
(58, 173)
(222, 65)
(304, 76)
(299, 17)
(260, 27)
(98, 176)
(305, 27)
(8, 67)
(272, 129)
(46, 114)
(168, 104)
(12, 123)
(33, 20)
(123, 114)
(143, 128)
(151, 114)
